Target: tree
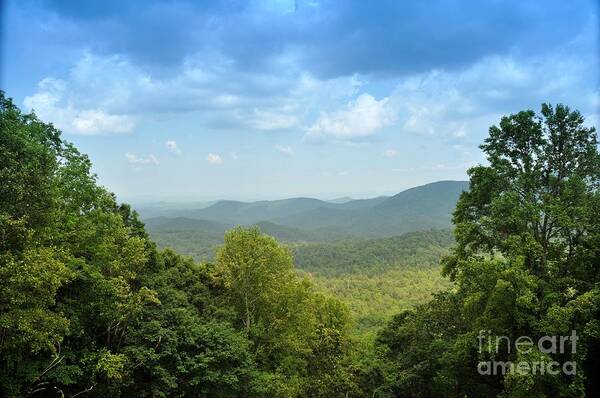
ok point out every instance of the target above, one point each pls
(537, 197)
(255, 269)
(525, 264)
(299, 337)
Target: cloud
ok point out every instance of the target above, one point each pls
(207, 86)
(51, 103)
(390, 153)
(359, 119)
(136, 160)
(214, 159)
(389, 39)
(109, 94)
(172, 145)
(461, 105)
(286, 150)
(269, 120)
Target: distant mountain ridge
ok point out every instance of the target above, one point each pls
(425, 207)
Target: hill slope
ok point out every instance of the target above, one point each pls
(368, 255)
(426, 207)
(304, 219)
(378, 278)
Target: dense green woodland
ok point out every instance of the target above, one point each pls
(375, 278)
(90, 307)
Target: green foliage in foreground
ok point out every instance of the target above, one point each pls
(375, 278)
(89, 307)
(526, 264)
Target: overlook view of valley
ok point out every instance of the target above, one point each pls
(380, 255)
(299, 199)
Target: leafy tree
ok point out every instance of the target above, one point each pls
(31, 329)
(525, 264)
(299, 337)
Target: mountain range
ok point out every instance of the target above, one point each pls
(304, 219)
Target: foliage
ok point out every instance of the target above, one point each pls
(420, 249)
(376, 278)
(90, 307)
(525, 264)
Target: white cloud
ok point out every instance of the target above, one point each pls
(233, 155)
(111, 94)
(214, 159)
(172, 145)
(286, 150)
(51, 103)
(459, 104)
(137, 160)
(108, 94)
(390, 153)
(269, 120)
(99, 122)
(360, 119)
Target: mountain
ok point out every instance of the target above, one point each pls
(246, 213)
(426, 207)
(197, 232)
(361, 203)
(305, 219)
(343, 199)
(168, 209)
(234, 212)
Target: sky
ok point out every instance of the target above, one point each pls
(204, 100)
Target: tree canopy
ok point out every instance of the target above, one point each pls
(526, 263)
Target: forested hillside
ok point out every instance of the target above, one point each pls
(200, 238)
(377, 278)
(423, 248)
(89, 306)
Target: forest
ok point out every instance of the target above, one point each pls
(91, 306)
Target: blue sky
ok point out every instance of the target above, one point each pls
(272, 99)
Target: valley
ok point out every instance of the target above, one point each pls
(379, 255)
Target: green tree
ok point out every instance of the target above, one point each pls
(299, 337)
(31, 268)
(525, 264)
